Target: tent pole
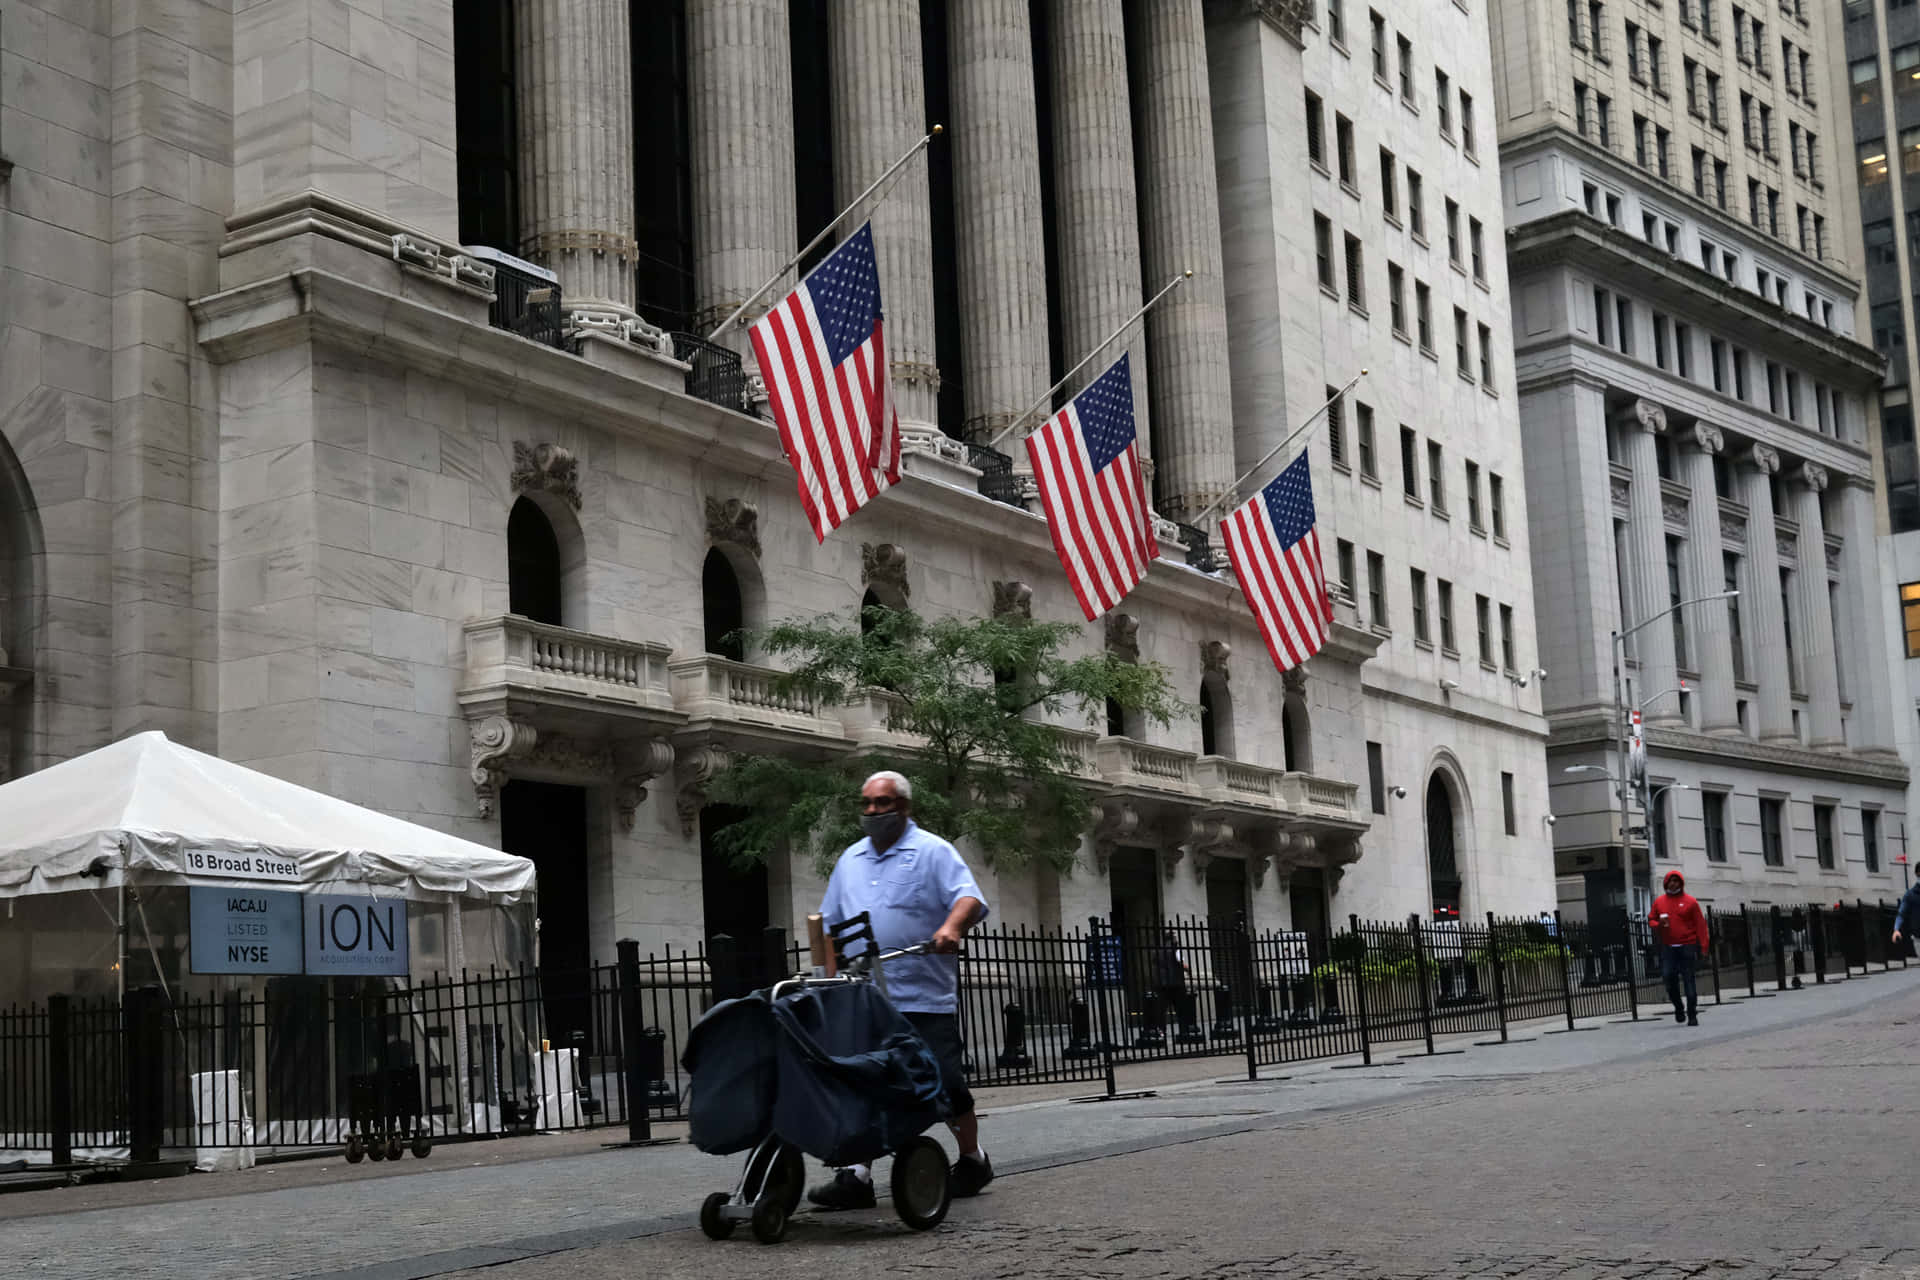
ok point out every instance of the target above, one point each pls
(120, 934)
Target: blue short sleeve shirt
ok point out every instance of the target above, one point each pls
(909, 890)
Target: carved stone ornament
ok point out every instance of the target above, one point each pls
(496, 740)
(1206, 838)
(1257, 864)
(1733, 526)
(1833, 557)
(1650, 416)
(1123, 636)
(884, 564)
(1619, 491)
(1787, 547)
(638, 766)
(1119, 823)
(1812, 475)
(1707, 439)
(1763, 459)
(572, 758)
(1013, 600)
(736, 522)
(546, 468)
(1294, 680)
(1673, 509)
(1169, 856)
(691, 773)
(1214, 657)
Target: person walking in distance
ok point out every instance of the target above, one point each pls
(914, 886)
(1907, 917)
(1681, 928)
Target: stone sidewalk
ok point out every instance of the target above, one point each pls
(461, 1210)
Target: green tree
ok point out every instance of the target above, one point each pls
(966, 687)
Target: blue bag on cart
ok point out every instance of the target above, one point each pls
(856, 1080)
(731, 1061)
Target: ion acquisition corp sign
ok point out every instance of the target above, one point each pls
(355, 934)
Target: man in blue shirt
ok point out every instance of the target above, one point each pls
(915, 887)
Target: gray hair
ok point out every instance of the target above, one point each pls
(901, 787)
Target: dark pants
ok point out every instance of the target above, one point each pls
(1677, 966)
(941, 1031)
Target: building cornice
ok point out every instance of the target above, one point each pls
(1288, 17)
(1575, 237)
(1593, 734)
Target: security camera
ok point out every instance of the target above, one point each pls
(1551, 820)
(1399, 793)
(1449, 685)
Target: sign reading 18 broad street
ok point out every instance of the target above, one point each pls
(356, 934)
(239, 866)
(244, 931)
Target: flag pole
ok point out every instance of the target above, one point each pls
(1047, 398)
(1274, 452)
(825, 231)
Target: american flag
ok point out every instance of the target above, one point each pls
(824, 357)
(1275, 551)
(1086, 461)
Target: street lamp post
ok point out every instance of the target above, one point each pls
(1620, 714)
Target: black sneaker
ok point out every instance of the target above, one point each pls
(1693, 1019)
(1679, 1015)
(971, 1175)
(848, 1190)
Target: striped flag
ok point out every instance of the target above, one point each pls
(1086, 461)
(1275, 551)
(824, 357)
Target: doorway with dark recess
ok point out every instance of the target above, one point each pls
(547, 822)
(733, 899)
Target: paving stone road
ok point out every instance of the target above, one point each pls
(1774, 1140)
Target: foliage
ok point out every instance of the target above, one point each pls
(975, 691)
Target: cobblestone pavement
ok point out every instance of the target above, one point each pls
(1770, 1141)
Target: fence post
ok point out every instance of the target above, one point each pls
(144, 1045)
(1499, 978)
(1713, 952)
(1420, 976)
(1243, 961)
(639, 1105)
(1779, 953)
(60, 1077)
(1359, 986)
(1746, 935)
(1098, 931)
(1817, 933)
(1566, 982)
(1628, 957)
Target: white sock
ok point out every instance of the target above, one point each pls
(978, 1153)
(861, 1171)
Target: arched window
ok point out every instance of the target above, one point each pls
(1443, 865)
(534, 570)
(723, 608)
(1296, 737)
(1116, 720)
(1216, 716)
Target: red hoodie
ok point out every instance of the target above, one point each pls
(1686, 922)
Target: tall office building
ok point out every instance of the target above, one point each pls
(1696, 399)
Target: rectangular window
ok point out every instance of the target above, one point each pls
(1602, 317)
(1377, 589)
(1870, 839)
(1582, 112)
(1436, 477)
(1467, 145)
(1683, 349)
(1416, 205)
(1337, 21)
(1635, 66)
(1660, 341)
(1336, 429)
(1444, 595)
(1363, 435)
(1603, 118)
(1674, 598)
(1623, 327)
(1823, 835)
(1739, 373)
(1663, 151)
(1423, 315)
(1417, 582)
(1389, 185)
(1486, 357)
(1720, 184)
(1507, 662)
(1379, 45)
(1462, 359)
(1356, 274)
(1323, 251)
(1642, 141)
(1910, 616)
(1657, 824)
(1343, 147)
(1343, 558)
(1872, 158)
(1713, 814)
(1506, 803)
(1406, 70)
(1737, 641)
(1716, 101)
(1786, 626)
(1772, 846)
(1316, 130)
(1443, 102)
(1376, 777)
(1718, 352)
(1473, 496)
(1497, 499)
(1699, 173)
(1657, 64)
(1690, 81)
(1483, 627)
(1409, 462)
(1453, 232)
(1397, 298)
(1476, 249)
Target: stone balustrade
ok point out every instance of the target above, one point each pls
(527, 657)
(711, 688)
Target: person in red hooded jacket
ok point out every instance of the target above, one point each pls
(1680, 926)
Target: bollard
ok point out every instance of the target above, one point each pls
(145, 1063)
(1265, 1022)
(1223, 1027)
(1079, 1031)
(1013, 1054)
(1189, 1006)
(1330, 1014)
(633, 1042)
(1817, 931)
(1302, 1014)
(60, 1078)
(1443, 971)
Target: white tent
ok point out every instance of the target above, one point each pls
(151, 807)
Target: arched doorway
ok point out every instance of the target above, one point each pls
(1443, 863)
(534, 569)
(723, 607)
(1294, 736)
(733, 901)
(1216, 717)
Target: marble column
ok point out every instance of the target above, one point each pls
(1096, 208)
(1180, 228)
(1760, 594)
(1707, 625)
(576, 151)
(740, 104)
(1862, 604)
(879, 111)
(1818, 661)
(1652, 645)
(1001, 249)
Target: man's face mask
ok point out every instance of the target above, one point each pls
(883, 828)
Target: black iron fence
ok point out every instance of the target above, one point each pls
(716, 375)
(381, 1066)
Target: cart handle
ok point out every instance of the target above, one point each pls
(820, 953)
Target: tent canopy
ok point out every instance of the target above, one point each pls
(151, 809)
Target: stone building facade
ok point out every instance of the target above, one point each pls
(1685, 276)
(302, 470)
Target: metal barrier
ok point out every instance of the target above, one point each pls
(716, 375)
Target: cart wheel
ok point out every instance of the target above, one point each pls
(769, 1220)
(396, 1147)
(716, 1227)
(787, 1183)
(356, 1150)
(377, 1147)
(422, 1147)
(921, 1192)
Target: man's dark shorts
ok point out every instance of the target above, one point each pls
(941, 1031)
